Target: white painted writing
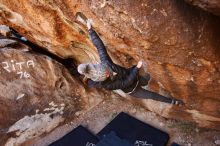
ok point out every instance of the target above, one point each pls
(142, 143)
(18, 67)
(23, 74)
(90, 144)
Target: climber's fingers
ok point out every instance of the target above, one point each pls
(81, 18)
(89, 24)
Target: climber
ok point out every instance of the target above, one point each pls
(111, 76)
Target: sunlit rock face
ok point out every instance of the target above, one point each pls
(212, 6)
(37, 94)
(179, 44)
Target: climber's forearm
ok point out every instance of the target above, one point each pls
(131, 77)
(125, 83)
(108, 86)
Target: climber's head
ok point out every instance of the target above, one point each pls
(96, 72)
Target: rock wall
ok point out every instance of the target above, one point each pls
(179, 44)
(37, 94)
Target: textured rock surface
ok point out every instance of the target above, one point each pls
(212, 6)
(37, 94)
(180, 45)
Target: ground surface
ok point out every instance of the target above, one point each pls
(184, 133)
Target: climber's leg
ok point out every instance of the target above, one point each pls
(145, 94)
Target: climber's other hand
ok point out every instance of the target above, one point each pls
(139, 65)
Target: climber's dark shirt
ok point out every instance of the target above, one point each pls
(126, 84)
(126, 79)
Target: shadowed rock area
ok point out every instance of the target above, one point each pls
(179, 44)
(212, 6)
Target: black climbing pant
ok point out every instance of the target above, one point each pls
(139, 92)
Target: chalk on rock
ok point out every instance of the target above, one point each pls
(20, 96)
(6, 42)
(5, 30)
(217, 142)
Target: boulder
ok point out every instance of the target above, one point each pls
(178, 43)
(37, 94)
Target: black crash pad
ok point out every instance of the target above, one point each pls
(174, 144)
(135, 131)
(112, 139)
(77, 137)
